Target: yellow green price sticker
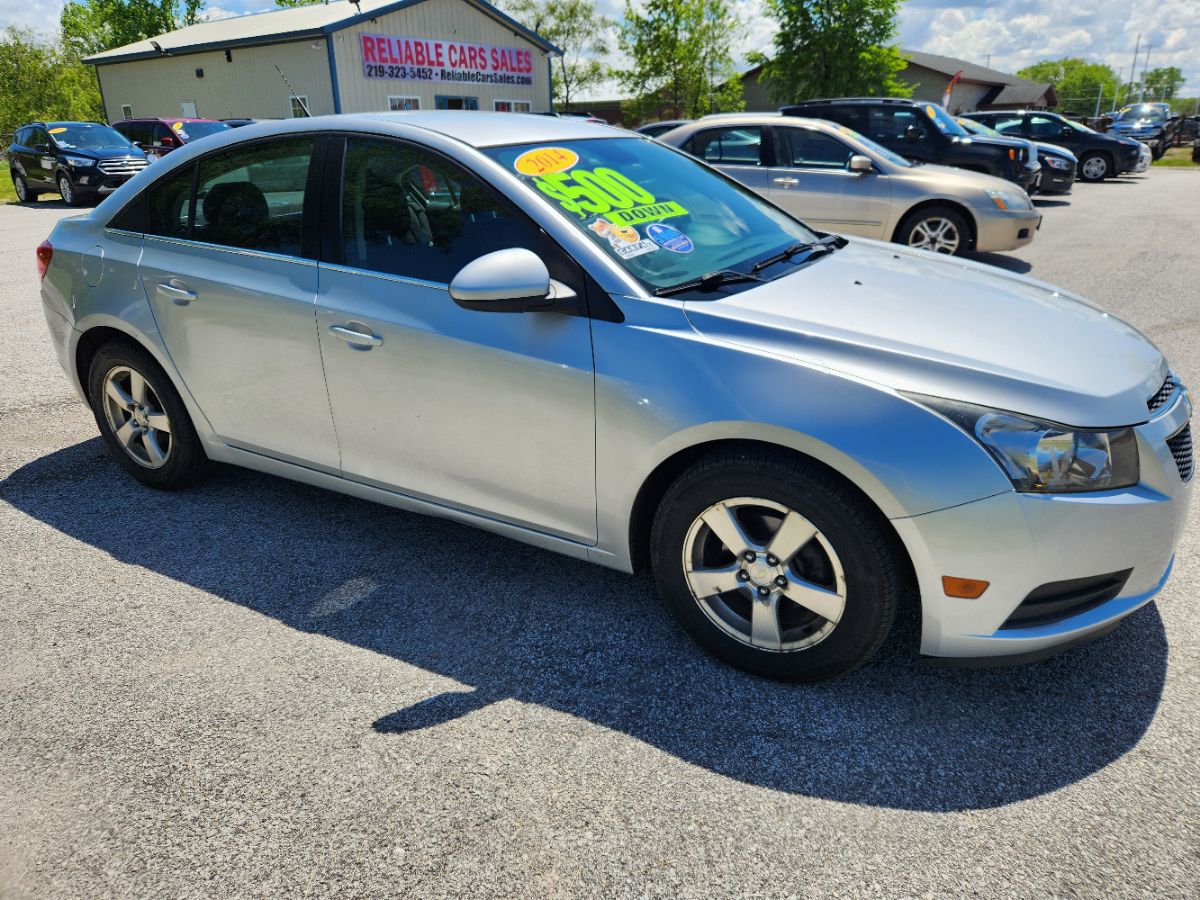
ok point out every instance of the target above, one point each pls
(605, 192)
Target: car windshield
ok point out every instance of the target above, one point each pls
(944, 121)
(978, 128)
(190, 131)
(894, 158)
(1144, 111)
(664, 217)
(87, 136)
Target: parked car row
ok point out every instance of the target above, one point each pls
(82, 161)
(905, 170)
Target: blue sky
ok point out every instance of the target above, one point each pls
(1014, 32)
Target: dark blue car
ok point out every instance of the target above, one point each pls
(80, 161)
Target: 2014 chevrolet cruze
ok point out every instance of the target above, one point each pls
(591, 342)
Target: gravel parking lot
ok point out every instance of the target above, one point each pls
(256, 687)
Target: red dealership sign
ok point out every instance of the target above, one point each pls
(421, 59)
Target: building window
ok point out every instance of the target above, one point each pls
(300, 106)
(126, 111)
(441, 102)
(512, 106)
(400, 104)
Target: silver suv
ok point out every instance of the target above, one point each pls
(591, 342)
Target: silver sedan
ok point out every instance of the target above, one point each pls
(589, 341)
(835, 179)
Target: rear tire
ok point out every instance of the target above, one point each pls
(1095, 166)
(819, 609)
(25, 194)
(142, 419)
(939, 229)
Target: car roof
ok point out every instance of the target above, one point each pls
(900, 101)
(490, 129)
(65, 124)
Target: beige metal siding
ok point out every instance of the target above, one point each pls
(446, 20)
(247, 86)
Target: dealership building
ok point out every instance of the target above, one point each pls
(370, 56)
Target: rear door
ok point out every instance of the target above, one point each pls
(488, 412)
(743, 152)
(233, 294)
(812, 180)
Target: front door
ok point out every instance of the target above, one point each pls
(234, 300)
(488, 412)
(39, 165)
(813, 181)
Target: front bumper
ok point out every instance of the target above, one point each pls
(1145, 157)
(1057, 181)
(997, 229)
(1020, 542)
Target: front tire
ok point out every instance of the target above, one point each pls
(775, 566)
(66, 189)
(939, 229)
(1095, 167)
(142, 419)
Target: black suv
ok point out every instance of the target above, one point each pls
(1100, 155)
(924, 132)
(77, 160)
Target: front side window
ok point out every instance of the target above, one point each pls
(807, 148)
(733, 146)
(663, 217)
(39, 138)
(1011, 125)
(253, 197)
(411, 213)
(895, 125)
(1044, 126)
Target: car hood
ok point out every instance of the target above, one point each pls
(1055, 150)
(913, 321)
(107, 153)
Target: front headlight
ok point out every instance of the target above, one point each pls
(1009, 200)
(1056, 162)
(1043, 457)
(78, 162)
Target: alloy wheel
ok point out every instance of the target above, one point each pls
(764, 574)
(935, 233)
(1095, 168)
(21, 189)
(66, 189)
(135, 414)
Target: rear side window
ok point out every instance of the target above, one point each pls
(168, 206)
(252, 198)
(807, 148)
(733, 146)
(411, 213)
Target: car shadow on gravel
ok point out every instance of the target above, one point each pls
(1000, 261)
(510, 621)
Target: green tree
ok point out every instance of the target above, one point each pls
(98, 25)
(1161, 84)
(832, 48)
(1078, 83)
(681, 65)
(578, 30)
(41, 81)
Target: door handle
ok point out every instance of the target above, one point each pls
(788, 181)
(174, 292)
(358, 339)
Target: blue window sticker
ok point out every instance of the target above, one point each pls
(670, 238)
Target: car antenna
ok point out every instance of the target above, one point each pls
(292, 90)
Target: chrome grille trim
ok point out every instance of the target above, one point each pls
(127, 166)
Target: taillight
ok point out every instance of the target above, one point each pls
(44, 254)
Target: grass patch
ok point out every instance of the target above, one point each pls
(1180, 157)
(7, 194)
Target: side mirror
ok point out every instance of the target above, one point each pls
(1067, 131)
(912, 134)
(41, 148)
(513, 280)
(861, 164)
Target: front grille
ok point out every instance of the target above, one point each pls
(127, 166)
(1058, 600)
(1181, 448)
(1162, 395)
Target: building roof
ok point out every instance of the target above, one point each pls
(295, 23)
(1011, 88)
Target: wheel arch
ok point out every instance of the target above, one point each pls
(956, 205)
(659, 480)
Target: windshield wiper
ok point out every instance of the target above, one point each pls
(706, 282)
(824, 245)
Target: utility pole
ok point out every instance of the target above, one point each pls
(1099, 96)
(1133, 68)
(1145, 69)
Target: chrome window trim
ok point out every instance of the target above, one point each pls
(385, 276)
(239, 251)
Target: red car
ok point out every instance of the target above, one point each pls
(158, 137)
